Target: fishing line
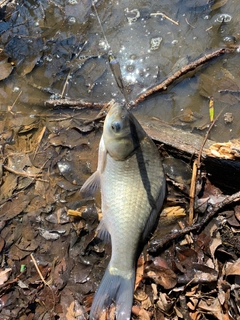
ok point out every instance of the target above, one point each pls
(100, 23)
(113, 61)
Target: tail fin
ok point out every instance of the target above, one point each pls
(114, 288)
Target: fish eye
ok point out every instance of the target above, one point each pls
(116, 126)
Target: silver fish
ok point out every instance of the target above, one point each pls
(132, 183)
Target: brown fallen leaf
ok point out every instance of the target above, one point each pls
(12, 208)
(163, 276)
(233, 268)
(140, 270)
(70, 315)
(237, 212)
(140, 313)
(4, 274)
(213, 306)
(5, 67)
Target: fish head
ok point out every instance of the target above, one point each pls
(122, 133)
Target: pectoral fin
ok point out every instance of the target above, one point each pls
(91, 185)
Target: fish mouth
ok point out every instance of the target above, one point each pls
(117, 108)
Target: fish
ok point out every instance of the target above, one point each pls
(132, 184)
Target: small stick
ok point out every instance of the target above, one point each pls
(39, 272)
(189, 23)
(39, 140)
(23, 174)
(206, 137)
(65, 84)
(164, 16)
(71, 103)
(192, 192)
(10, 108)
(229, 91)
(196, 171)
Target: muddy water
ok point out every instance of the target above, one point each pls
(58, 50)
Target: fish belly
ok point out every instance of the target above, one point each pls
(130, 193)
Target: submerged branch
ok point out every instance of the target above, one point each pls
(191, 66)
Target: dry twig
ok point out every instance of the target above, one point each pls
(40, 273)
(71, 103)
(164, 16)
(23, 174)
(196, 171)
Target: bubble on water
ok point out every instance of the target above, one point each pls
(230, 39)
(130, 68)
(49, 58)
(223, 17)
(72, 20)
(103, 44)
(72, 2)
(133, 56)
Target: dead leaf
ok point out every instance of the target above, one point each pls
(29, 66)
(218, 4)
(163, 276)
(4, 274)
(14, 207)
(233, 268)
(5, 67)
(140, 313)
(237, 212)
(140, 270)
(70, 315)
(212, 306)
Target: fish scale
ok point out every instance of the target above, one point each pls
(132, 183)
(128, 210)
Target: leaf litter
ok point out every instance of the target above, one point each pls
(197, 275)
(51, 261)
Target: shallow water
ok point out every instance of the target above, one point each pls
(59, 50)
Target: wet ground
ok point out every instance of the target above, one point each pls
(57, 47)
(51, 264)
